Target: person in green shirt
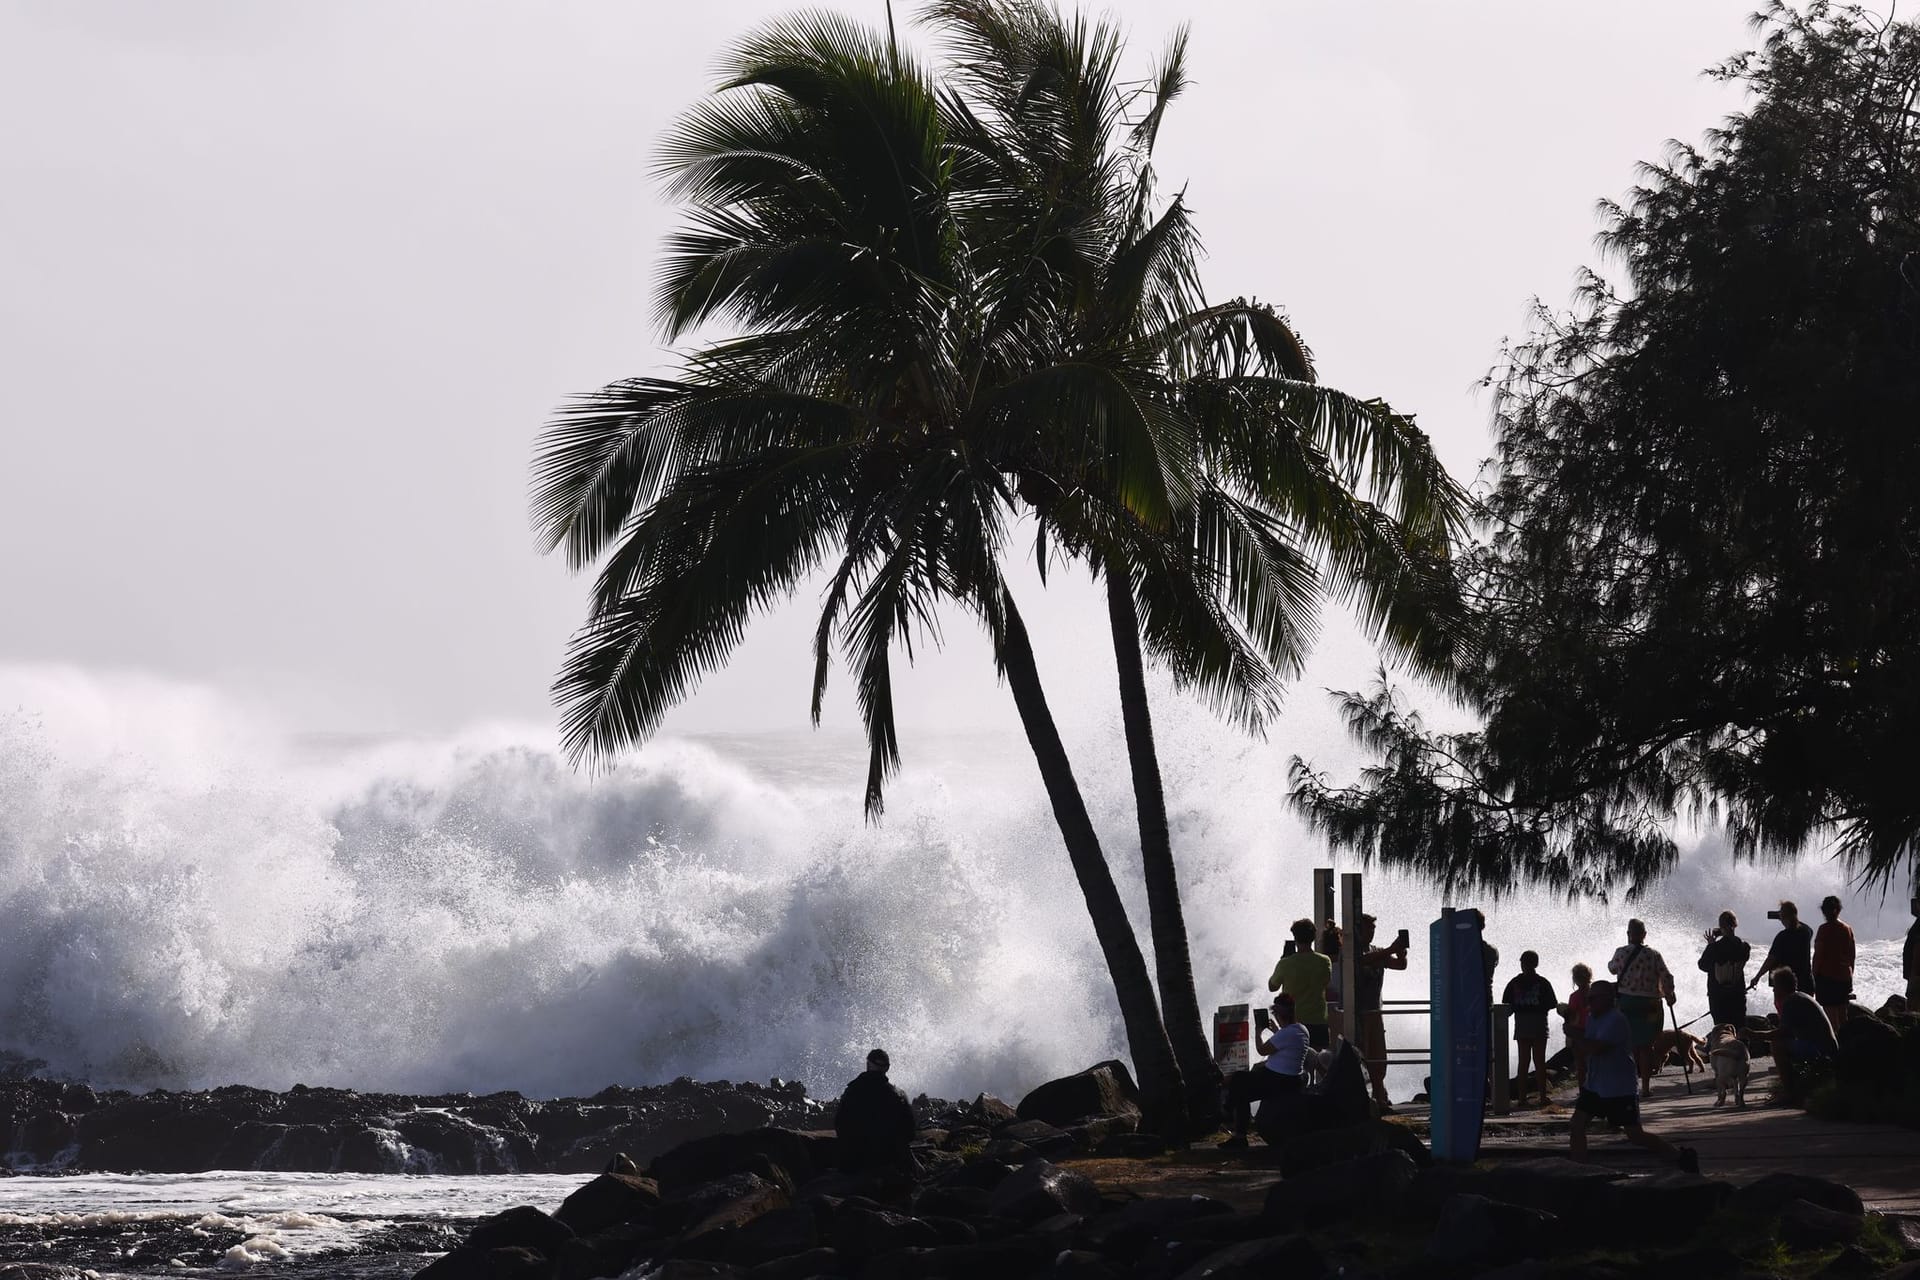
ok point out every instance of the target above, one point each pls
(1304, 973)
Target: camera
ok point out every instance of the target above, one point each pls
(1773, 915)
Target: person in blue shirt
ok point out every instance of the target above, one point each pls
(1611, 1090)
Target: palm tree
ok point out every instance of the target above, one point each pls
(1227, 593)
(861, 423)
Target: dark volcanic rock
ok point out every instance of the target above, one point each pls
(1039, 1190)
(1293, 1257)
(49, 1123)
(1474, 1229)
(607, 1201)
(1369, 1184)
(1104, 1089)
(1808, 1226)
(1665, 1208)
(1766, 1196)
(525, 1226)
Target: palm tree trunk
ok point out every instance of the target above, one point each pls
(1173, 962)
(1161, 1089)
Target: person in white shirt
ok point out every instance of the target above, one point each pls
(1284, 1048)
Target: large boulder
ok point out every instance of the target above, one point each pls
(1340, 1100)
(1292, 1257)
(1573, 1192)
(608, 1200)
(1302, 1152)
(1039, 1190)
(524, 1226)
(1869, 1053)
(861, 1232)
(1104, 1089)
(1768, 1195)
(1037, 1136)
(1665, 1208)
(798, 1155)
(1809, 1226)
(1351, 1188)
(1475, 1230)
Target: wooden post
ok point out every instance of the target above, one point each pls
(1349, 953)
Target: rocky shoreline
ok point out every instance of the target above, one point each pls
(1353, 1198)
(49, 1126)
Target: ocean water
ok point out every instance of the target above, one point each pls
(195, 899)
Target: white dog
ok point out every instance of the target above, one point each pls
(1730, 1064)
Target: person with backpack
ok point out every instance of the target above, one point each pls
(1724, 961)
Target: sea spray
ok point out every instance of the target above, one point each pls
(190, 907)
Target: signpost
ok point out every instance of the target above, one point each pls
(1459, 1036)
(1230, 1038)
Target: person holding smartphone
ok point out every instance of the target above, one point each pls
(1371, 1022)
(1283, 1049)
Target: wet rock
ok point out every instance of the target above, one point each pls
(952, 1202)
(621, 1163)
(1039, 1190)
(609, 1200)
(980, 1171)
(523, 1225)
(1104, 1089)
(1475, 1230)
(861, 1232)
(612, 1252)
(1766, 1196)
(1905, 1229)
(1008, 1151)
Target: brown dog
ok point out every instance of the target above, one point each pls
(1669, 1045)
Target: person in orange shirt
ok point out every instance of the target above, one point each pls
(1833, 963)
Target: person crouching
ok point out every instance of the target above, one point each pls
(1284, 1048)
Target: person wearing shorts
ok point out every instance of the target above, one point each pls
(1531, 999)
(1608, 1094)
(1642, 982)
(1371, 979)
(1833, 963)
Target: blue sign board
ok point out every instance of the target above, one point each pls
(1459, 1036)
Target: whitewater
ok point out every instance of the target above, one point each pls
(194, 901)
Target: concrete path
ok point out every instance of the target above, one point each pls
(1880, 1162)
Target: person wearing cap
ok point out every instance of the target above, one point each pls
(873, 1122)
(1283, 1046)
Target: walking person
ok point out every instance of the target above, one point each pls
(1283, 1046)
(1833, 957)
(1370, 977)
(1724, 961)
(1643, 981)
(1608, 1094)
(1303, 974)
(1792, 948)
(1531, 998)
(1576, 1021)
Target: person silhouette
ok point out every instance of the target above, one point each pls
(873, 1123)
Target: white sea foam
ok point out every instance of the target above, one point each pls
(194, 899)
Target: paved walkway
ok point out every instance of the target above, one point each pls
(1880, 1162)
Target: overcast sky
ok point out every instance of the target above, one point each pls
(286, 291)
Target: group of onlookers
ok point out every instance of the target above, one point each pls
(1613, 1027)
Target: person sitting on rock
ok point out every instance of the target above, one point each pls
(873, 1122)
(1609, 1093)
(1303, 974)
(1284, 1048)
(1804, 1034)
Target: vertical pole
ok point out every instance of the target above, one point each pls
(1350, 954)
(1322, 906)
(1440, 1035)
(1497, 1055)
